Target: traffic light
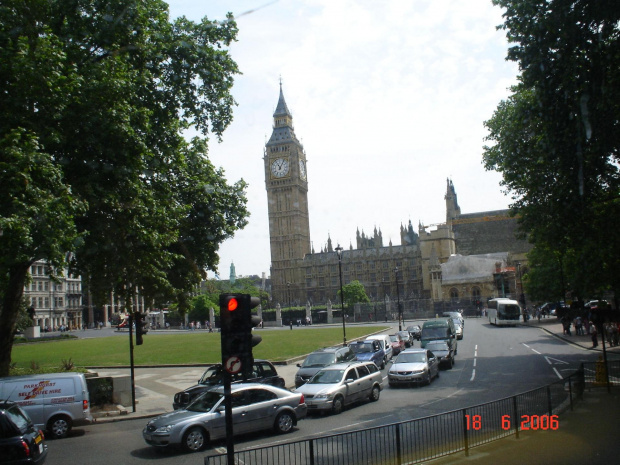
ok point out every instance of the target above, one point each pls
(236, 322)
(140, 321)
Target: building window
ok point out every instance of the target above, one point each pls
(454, 295)
(47, 302)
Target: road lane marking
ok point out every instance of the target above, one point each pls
(473, 374)
(475, 361)
(555, 361)
(557, 373)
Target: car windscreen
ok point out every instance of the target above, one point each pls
(205, 402)
(438, 332)
(411, 358)
(18, 417)
(394, 338)
(318, 360)
(212, 376)
(361, 348)
(327, 377)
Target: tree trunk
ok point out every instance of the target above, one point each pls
(9, 312)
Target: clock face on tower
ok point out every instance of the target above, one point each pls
(302, 169)
(279, 168)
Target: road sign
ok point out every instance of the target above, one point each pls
(233, 365)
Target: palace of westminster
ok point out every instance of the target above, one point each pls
(466, 260)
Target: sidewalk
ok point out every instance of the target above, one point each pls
(554, 327)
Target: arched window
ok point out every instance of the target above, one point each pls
(454, 295)
(475, 294)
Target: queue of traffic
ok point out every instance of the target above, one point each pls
(328, 380)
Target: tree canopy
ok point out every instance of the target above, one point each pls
(96, 100)
(354, 293)
(556, 140)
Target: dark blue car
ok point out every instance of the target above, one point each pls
(369, 351)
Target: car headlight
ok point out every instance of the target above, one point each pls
(419, 371)
(164, 429)
(324, 396)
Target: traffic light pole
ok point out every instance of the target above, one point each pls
(133, 377)
(230, 444)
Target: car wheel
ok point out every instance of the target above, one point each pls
(428, 378)
(451, 363)
(59, 426)
(375, 393)
(284, 423)
(382, 364)
(338, 405)
(195, 439)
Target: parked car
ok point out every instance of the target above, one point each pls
(415, 331)
(413, 366)
(20, 442)
(385, 344)
(443, 351)
(262, 372)
(321, 358)
(337, 386)
(406, 336)
(54, 401)
(255, 407)
(397, 342)
(369, 351)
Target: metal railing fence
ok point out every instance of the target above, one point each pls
(422, 439)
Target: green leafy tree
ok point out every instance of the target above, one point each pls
(354, 293)
(95, 99)
(556, 139)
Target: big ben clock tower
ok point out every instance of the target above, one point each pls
(287, 195)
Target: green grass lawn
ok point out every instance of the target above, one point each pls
(179, 348)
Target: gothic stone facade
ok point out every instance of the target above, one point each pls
(300, 275)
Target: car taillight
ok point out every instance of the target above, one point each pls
(302, 400)
(42, 435)
(26, 448)
(85, 404)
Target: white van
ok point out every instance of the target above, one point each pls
(386, 344)
(54, 401)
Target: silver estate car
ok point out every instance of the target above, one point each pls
(342, 384)
(413, 366)
(256, 407)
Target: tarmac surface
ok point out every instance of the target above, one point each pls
(587, 435)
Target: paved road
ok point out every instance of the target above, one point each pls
(156, 386)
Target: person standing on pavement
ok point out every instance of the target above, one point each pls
(593, 332)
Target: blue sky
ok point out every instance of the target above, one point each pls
(388, 99)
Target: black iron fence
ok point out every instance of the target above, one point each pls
(423, 439)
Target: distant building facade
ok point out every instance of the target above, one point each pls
(301, 275)
(55, 302)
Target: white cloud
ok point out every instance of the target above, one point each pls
(388, 97)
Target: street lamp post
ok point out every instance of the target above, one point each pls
(344, 330)
(521, 281)
(288, 298)
(400, 312)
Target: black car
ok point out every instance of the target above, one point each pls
(443, 351)
(20, 442)
(415, 331)
(263, 372)
(319, 359)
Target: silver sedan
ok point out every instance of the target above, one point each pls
(413, 366)
(256, 407)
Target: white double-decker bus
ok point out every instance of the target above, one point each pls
(504, 312)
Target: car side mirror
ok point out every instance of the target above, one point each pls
(299, 365)
(349, 381)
